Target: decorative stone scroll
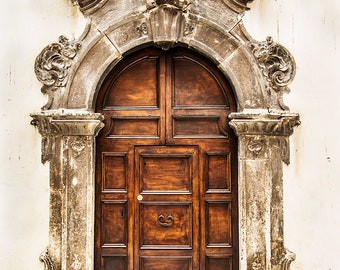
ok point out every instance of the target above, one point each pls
(89, 6)
(176, 3)
(52, 66)
(46, 259)
(277, 65)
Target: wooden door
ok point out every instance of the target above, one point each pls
(166, 165)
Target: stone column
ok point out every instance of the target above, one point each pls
(263, 145)
(68, 139)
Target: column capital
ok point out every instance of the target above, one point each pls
(264, 123)
(68, 122)
(58, 123)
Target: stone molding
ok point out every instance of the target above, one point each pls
(253, 127)
(72, 71)
(261, 123)
(64, 123)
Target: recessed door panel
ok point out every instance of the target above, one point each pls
(165, 225)
(165, 172)
(173, 263)
(195, 85)
(219, 223)
(114, 262)
(114, 223)
(136, 85)
(218, 263)
(114, 172)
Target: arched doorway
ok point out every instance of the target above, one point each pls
(71, 71)
(166, 165)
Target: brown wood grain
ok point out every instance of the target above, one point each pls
(166, 165)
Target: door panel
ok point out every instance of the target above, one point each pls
(167, 202)
(173, 263)
(136, 85)
(166, 167)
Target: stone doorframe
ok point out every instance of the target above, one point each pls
(72, 71)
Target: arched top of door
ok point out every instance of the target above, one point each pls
(72, 71)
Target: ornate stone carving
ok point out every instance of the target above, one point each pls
(166, 26)
(46, 259)
(188, 29)
(76, 265)
(169, 22)
(143, 28)
(264, 124)
(288, 258)
(210, 27)
(242, 3)
(256, 264)
(256, 146)
(79, 145)
(176, 3)
(52, 66)
(277, 65)
(253, 125)
(89, 6)
(62, 122)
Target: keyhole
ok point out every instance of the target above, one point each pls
(122, 214)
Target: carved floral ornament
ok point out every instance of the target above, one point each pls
(263, 122)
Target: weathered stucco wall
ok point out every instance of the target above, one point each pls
(311, 31)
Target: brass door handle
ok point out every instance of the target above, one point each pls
(165, 222)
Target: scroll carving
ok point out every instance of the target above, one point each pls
(89, 6)
(176, 3)
(242, 3)
(287, 259)
(46, 259)
(277, 65)
(52, 66)
(256, 264)
(256, 147)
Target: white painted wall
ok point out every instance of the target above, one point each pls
(27, 26)
(309, 29)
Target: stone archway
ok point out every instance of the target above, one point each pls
(72, 71)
